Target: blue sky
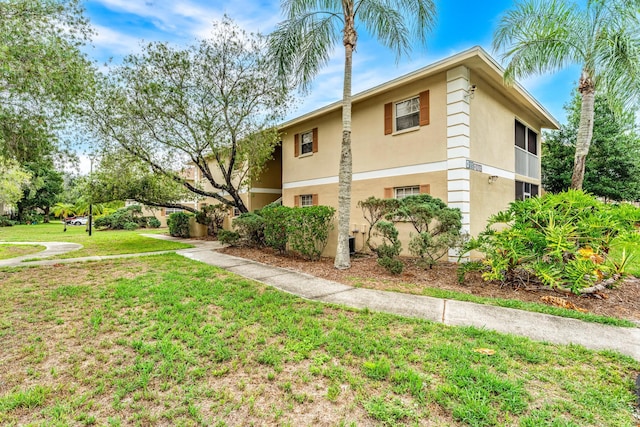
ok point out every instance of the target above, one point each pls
(121, 26)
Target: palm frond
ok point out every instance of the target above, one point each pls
(395, 23)
(540, 36)
(302, 45)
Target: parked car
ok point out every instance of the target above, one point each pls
(77, 220)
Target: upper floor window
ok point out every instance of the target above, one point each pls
(526, 143)
(407, 114)
(306, 142)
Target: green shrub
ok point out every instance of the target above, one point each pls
(130, 226)
(276, 224)
(213, 217)
(5, 221)
(392, 265)
(227, 237)
(120, 218)
(561, 240)
(438, 226)
(308, 230)
(390, 248)
(153, 222)
(178, 223)
(250, 227)
(374, 210)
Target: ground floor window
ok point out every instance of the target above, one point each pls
(169, 211)
(525, 190)
(402, 192)
(306, 200)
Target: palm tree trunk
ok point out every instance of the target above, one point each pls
(343, 260)
(585, 130)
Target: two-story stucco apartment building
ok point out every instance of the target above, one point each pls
(452, 129)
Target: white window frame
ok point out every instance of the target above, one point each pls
(306, 200)
(169, 211)
(526, 163)
(402, 192)
(306, 139)
(415, 106)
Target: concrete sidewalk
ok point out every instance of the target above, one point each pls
(52, 249)
(537, 326)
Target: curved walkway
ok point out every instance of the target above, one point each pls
(52, 249)
(537, 326)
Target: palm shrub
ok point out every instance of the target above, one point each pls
(438, 226)
(178, 223)
(560, 240)
(308, 230)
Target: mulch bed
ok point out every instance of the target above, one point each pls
(621, 302)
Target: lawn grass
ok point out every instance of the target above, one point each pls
(99, 243)
(163, 340)
(12, 251)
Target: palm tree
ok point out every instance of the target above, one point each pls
(302, 44)
(540, 36)
(63, 210)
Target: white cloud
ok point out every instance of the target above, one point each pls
(115, 42)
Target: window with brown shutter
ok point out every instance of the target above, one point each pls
(306, 142)
(424, 108)
(314, 144)
(305, 200)
(388, 118)
(407, 114)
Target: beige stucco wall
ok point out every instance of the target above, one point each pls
(492, 120)
(372, 150)
(488, 199)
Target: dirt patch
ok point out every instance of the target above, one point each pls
(623, 302)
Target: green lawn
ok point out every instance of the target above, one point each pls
(12, 251)
(163, 340)
(99, 243)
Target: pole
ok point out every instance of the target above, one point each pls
(90, 196)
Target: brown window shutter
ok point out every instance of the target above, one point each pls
(388, 118)
(424, 108)
(425, 189)
(163, 212)
(296, 145)
(314, 199)
(388, 193)
(314, 145)
(296, 201)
